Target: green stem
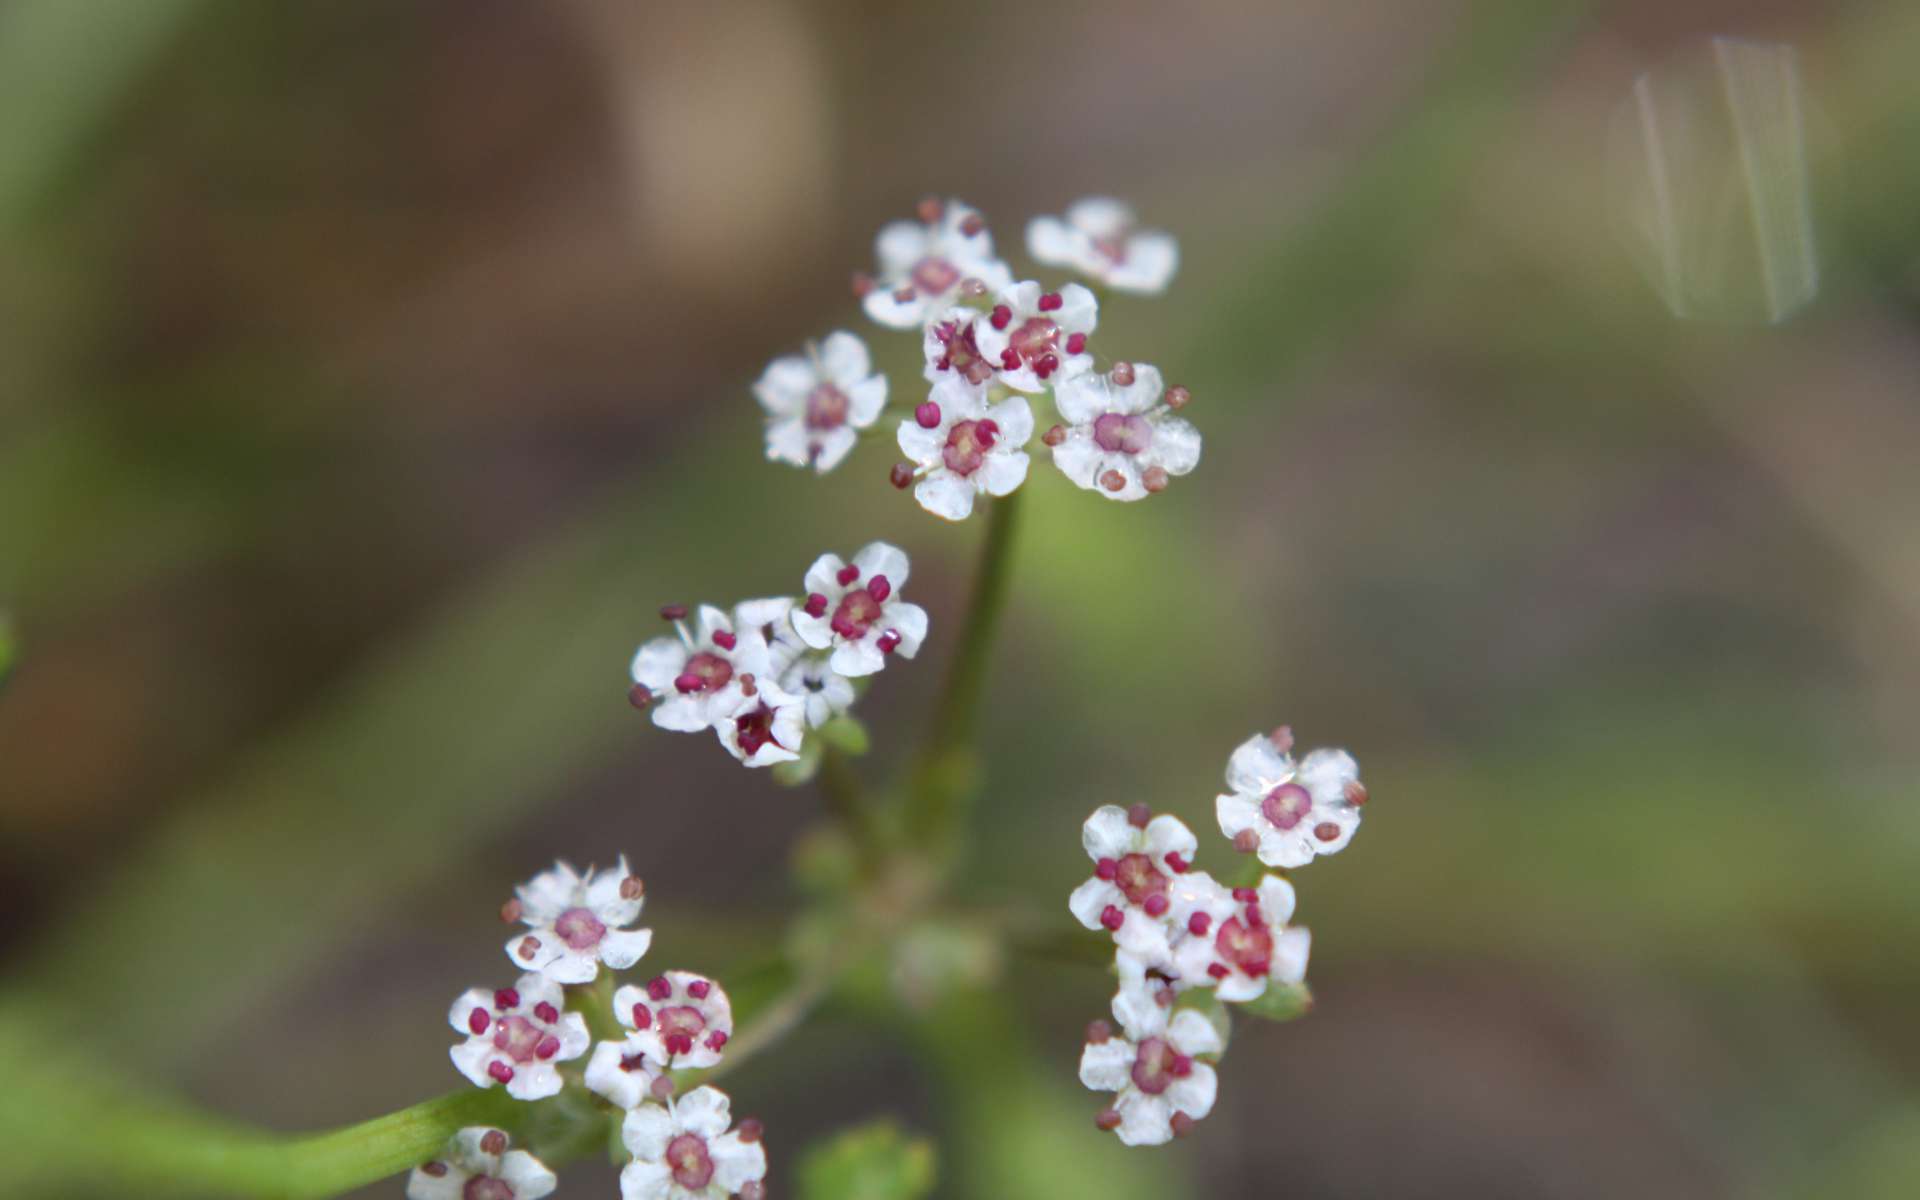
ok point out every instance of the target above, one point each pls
(944, 774)
(846, 798)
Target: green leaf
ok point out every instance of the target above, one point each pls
(801, 770)
(845, 734)
(870, 1162)
(1281, 1003)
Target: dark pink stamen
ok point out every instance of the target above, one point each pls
(699, 988)
(548, 1047)
(1106, 868)
(477, 1020)
(1198, 923)
(1156, 904)
(927, 416)
(500, 1071)
(546, 1012)
(506, 998)
(1112, 917)
(1177, 863)
(816, 605)
(642, 1017)
(658, 988)
(1076, 343)
(1050, 301)
(879, 588)
(847, 574)
(724, 640)
(1002, 316)
(889, 641)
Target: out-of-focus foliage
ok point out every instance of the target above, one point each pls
(871, 1162)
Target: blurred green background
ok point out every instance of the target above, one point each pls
(370, 371)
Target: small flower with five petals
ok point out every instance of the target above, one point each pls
(1035, 338)
(924, 263)
(476, 1165)
(855, 611)
(1288, 812)
(962, 445)
(1121, 439)
(1100, 239)
(1137, 858)
(685, 1151)
(1160, 1087)
(818, 402)
(578, 922)
(515, 1036)
(682, 1019)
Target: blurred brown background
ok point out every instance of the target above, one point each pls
(369, 372)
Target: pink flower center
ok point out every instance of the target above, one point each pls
(1244, 945)
(826, 407)
(1153, 1066)
(1035, 337)
(687, 1157)
(705, 672)
(518, 1038)
(1113, 247)
(967, 445)
(1136, 877)
(1123, 433)
(579, 928)
(486, 1187)
(856, 613)
(933, 276)
(680, 1027)
(1286, 805)
(755, 730)
(960, 352)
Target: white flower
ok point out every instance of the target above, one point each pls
(962, 445)
(1039, 338)
(762, 723)
(685, 1152)
(1098, 238)
(1120, 439)
(476, 1165)
(1160, 1086)
(685, 676)
(951, 345)
(1290, 813)
(1136, 862)
(809, 674)
(579, 922)
(625, 1071)
(924, 262)
(516, 1035)
(681, 1018)
(1243, 941)
(818, 401)
(854, 609)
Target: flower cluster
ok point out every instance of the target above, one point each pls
(763, 674)
(1178, 930)
(520, 1037)
(991, 345)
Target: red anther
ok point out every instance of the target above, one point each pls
(672, 612)
(901, 476)
(1165, 997)
(478, 1020)
(435, 1169)
(1282, 738)
(889, 641)
(971, 225)
(1254, 917)
(528, 948)
(642, 1017)
(928, 209)
(1106, 868)
(1181, 1124)
(971, 287)
(1177, 397)
(724, 640)
(879, 588)
(816, 605)
(1055, 435)
(493, 1141)
(1175, 863)
(1246, 895)
(1246, 841)
(1048, 364)
(1198, 924)
(1180, 1067)
(658, 988)
(747, 687)
(862, 284)
(1154, 479)
(1050, 301)
(1010, 359)
(1327, 831)
(927, 415)
(717, 1040)
(546, 1012)
(500, 1071)
(1113, 481)
(1107, 1119)
(752, 1189)
(1098, 1032)
(1138, 815)
(548, 1047)
(903, 295)
(699, 988)
(847, 574)
(632, 887)
(661, 1087)
(1217, 970)
(1156, 904)
(1112, 918)
(844, 627)
(511, 911)
(679, 1043)
(986, 433)
(750, 1130)
(1122, 374)
(978, 371)
(640, 696)
(1001, 317)
(688, 682)
(1076, 343)
(507, 998)
(1356, 793)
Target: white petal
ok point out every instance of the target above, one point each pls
(1143, 393)
(1002, 473)
(1107, 833)
(1152, 258)
(755, 614)
(882, 558)
(959, 399)
(1023, 298)
(1235, 812)
(624, 998)
(605, 1076)
(463, 1006)
(1286, 847)
(1022, 378)
(1015, 418)
(658, 663)
(865, 399)
(646, 1179)
(843, 359)
(1079, 310)
(1194, 1094)
(943, 494)
(899, 246)
(536, 989)
(1191, 1033)
(1238, 988)
(1276, 901)
(1167, 834)
(854, 659)
(646, 1132)
(1290, 950)
(788, 441)
(1051, 242)
(446, 1186)
(921, 445)
(1100, 216)
(703, 1111)
(682, 714)
(527, 1176)
(534, 1081)
(1107, 1066)
(1145, 1120)
(894, 313)
(1139, 1013)
(816, 632)
(1145, 937)
(1192, 957)
(1091, 899)
(1082, 398)
(1326, 774)
(620, 948)
(735, 1163)
(1257, 766)
(470, 1058)
(1079, 459)
(1344, 817)
(910, 622)
(823, 576)
(783, 387)
(1176, 446)
(832, 446)
(605, 899)
(564, 964)
(954, 219)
